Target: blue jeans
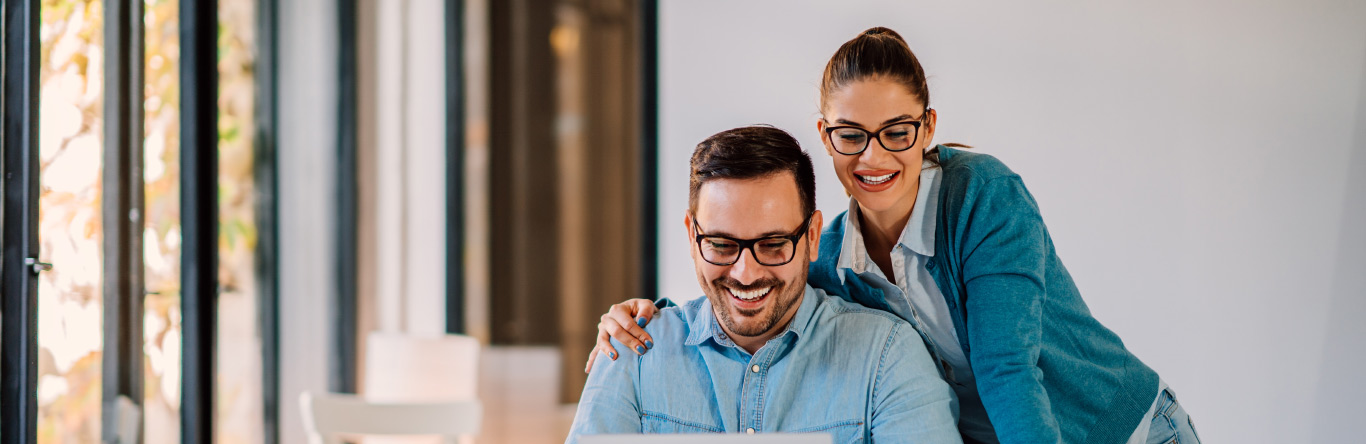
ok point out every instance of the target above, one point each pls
(1169, 422)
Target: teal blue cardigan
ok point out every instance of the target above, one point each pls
(1046, 369)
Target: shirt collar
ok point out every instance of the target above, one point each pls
(918, 235)
(705, 325)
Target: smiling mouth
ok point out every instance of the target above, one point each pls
(877, 180)
(755, 295)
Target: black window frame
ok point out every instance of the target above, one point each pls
(121, 212)
(649, 149)
(455, 166)
(344, 310)
(18, 271)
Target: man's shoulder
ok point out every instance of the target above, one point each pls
(673, 324)
(843, 314)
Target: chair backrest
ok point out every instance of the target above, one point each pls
(328, 417)
(410, 368)
(129, 420)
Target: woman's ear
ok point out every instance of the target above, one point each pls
(930, 121)
(820, 132)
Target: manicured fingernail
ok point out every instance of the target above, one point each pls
(640, 349)
(649, 344)
(640, 321)
(612, 355)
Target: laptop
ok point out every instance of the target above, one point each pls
(711, 438)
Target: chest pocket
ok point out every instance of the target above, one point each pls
(842, 432)
(651, 422)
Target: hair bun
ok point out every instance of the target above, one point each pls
(882, 31)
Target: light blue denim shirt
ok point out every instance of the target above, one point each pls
(859, 374)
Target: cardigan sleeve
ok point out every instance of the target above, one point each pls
(1003, 251)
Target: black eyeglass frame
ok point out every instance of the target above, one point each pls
(748, 244)
(917, 122)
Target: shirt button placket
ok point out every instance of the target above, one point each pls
(752, 398)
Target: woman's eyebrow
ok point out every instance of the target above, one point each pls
(897, 119)
(891, 120)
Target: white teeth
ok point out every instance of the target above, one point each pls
(750, 295)
(876, 180)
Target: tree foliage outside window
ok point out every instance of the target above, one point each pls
(70, 306)
(239, 394)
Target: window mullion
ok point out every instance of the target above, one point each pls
(266, 175)
(649, 148)
(342, 372)
(199, 216)
(122, 211)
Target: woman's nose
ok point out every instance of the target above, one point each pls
(874, 153)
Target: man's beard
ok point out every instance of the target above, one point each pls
(785, 296)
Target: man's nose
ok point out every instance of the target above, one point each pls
(746, 268)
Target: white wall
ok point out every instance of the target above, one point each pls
(307, 156)
(409, 181)
(1201, 166)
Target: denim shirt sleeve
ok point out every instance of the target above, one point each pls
(609, 404)
(1004, 252)
(910, 402)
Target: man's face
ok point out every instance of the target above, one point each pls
(750, 299)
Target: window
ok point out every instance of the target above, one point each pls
(75, 90)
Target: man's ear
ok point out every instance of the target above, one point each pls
(687, 226)
(813, 233)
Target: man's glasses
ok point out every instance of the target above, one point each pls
(895, 137)
(769, 251)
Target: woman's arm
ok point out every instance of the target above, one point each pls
(1003, 251)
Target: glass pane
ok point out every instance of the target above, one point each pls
(238, 395)
(69, 225)
(161, 232)
(238, 392)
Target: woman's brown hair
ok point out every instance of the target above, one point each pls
(876, 53)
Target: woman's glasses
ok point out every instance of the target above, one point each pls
(895, 137)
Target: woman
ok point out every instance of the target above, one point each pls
(953, 243)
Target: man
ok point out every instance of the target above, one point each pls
(764, 352)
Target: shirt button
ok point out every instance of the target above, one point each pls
(750, 431)
(754, 369)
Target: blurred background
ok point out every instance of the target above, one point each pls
(426, 200)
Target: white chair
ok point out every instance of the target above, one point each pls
(413, 368)
(129, 420)
(408, 368)
(330, 417)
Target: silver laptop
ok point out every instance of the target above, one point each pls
(711, 438)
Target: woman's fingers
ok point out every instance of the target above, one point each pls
(626, 323)
(603, 346)
(644, 308)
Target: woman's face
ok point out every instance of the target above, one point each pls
(880, 180)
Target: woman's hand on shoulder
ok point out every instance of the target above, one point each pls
(626, 323)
